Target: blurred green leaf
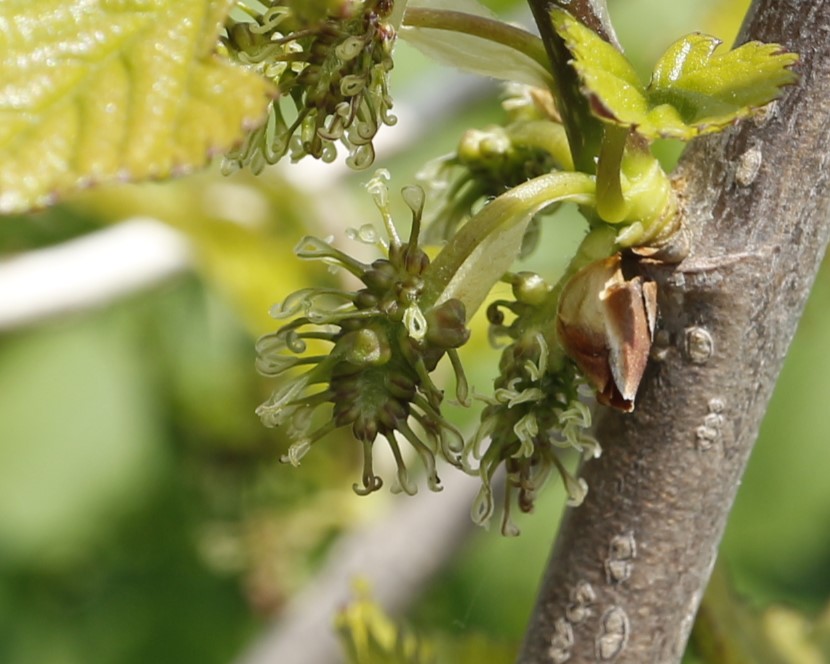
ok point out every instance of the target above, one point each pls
(126, 89)
(724, 18)
(243, 229)
(727, 630)
(24, 232)
(791, 634)
(474, 53)
(476, 648)
(142, 595)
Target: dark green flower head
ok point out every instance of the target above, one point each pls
(535, 413)
(382, 347)
(332, 60)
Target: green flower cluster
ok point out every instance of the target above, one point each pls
(384, 344)
(536, 410)
(332, 61)
(493, 160)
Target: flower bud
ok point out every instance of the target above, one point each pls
(246, 40)
(605, 324)
(529, 288)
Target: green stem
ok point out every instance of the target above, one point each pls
(486, 246)
(651, 205)
(479, 26)
(611, 205)
(544, 135)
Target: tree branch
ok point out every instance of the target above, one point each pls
(630, 565)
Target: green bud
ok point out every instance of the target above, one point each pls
(529, 288)
(381, 277)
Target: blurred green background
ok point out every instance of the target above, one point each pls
(143, 515)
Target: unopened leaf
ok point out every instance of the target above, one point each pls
(92, 90)
(693, 89)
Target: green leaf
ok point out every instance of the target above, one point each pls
(92, 90)
(693, 90)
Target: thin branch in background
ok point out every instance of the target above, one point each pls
(387, 554)
(89, 272)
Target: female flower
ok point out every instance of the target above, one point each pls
(535, 411)
(384, 345)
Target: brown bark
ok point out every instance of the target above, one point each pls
(630, 565)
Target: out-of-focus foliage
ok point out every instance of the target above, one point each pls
(369, 636)
(243, 230)
(143, 515)
(474, 54)
(730, 631)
